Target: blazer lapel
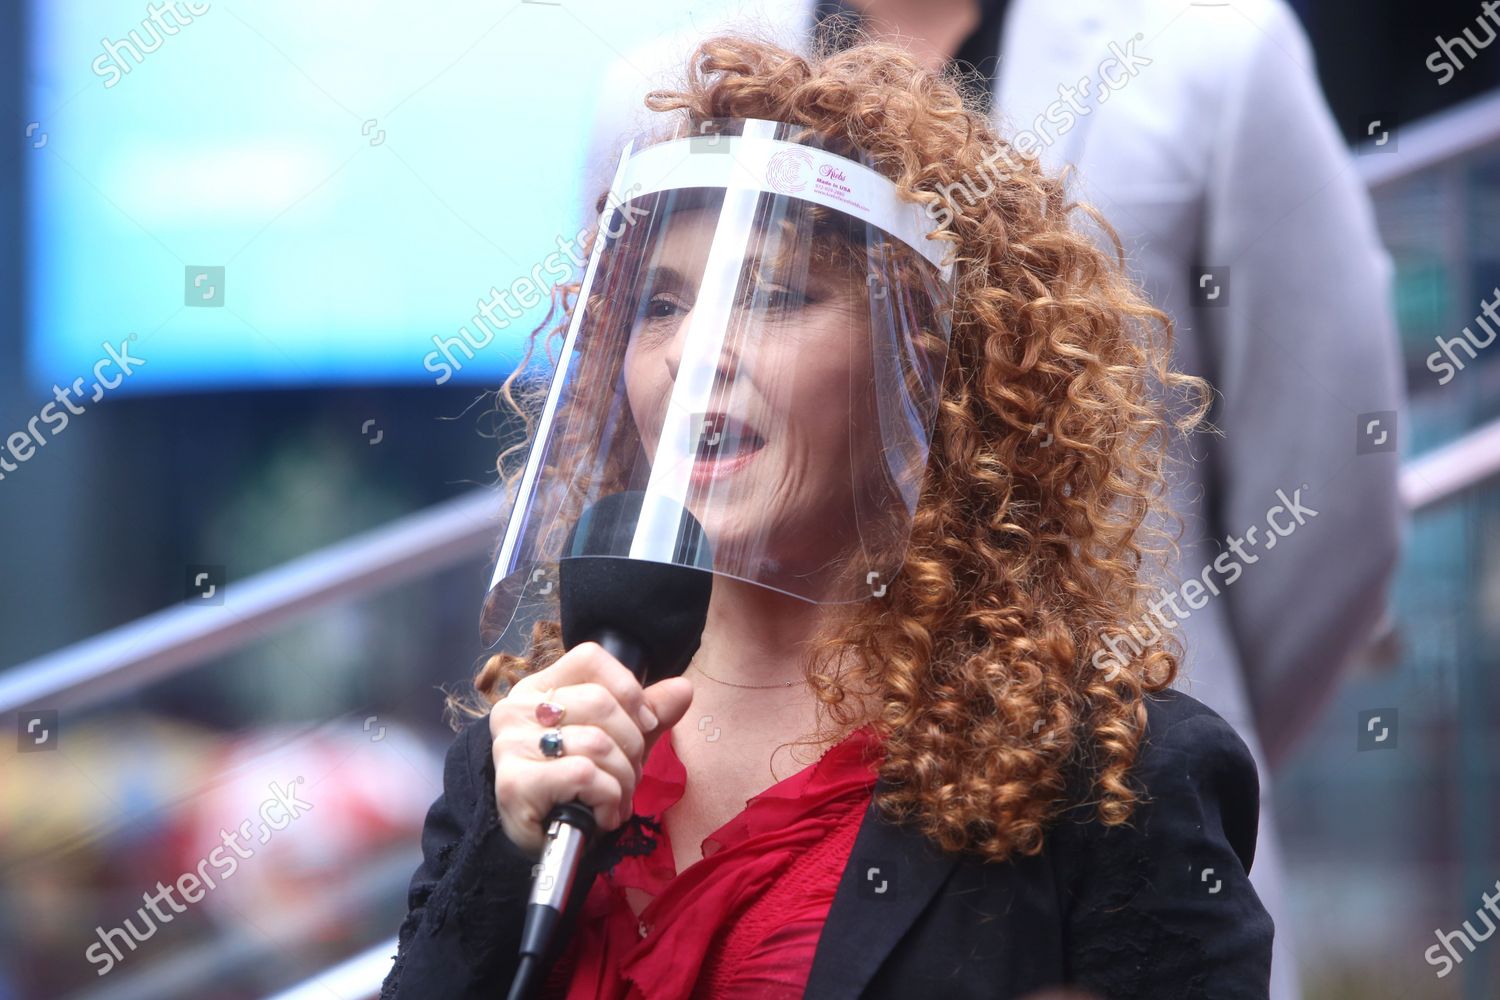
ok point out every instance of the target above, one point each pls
(892, 873)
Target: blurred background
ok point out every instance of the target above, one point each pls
(246, 548)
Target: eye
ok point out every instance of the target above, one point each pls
(662, 306)
(777, 299)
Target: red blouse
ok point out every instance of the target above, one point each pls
(742, 922)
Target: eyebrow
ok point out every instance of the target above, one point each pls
(661, 274)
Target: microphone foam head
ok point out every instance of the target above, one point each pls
(663, 606)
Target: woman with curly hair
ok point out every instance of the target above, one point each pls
(988, 809)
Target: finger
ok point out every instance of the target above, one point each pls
(593, 704)
(588, 661)
(579, 741)
(536, 786)
(670, 700)
(601, 748)
(584, 705)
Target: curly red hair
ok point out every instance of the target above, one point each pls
(1035, 522)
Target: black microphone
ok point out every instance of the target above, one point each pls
(648, 615)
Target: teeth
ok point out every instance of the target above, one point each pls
(722, 451)
(734, 439)
(728, 447)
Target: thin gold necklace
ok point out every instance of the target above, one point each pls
(756, 687)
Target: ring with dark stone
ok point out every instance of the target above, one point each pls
(552, 743)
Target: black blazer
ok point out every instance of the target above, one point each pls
(1161, 909)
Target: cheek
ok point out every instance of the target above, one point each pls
(831, 391)
(832, 408)
(639, 393)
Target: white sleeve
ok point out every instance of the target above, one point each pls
(1305, 347)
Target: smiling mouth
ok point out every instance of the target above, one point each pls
(725, 450)
(729, 449)
(722, 439)
(717, 467)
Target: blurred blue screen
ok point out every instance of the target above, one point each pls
(292, 194)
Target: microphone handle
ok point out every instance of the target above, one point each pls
(629, 652)
(570, 827)
(623, 648)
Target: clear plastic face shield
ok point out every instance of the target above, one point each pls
(758, 339)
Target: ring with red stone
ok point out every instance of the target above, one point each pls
(549, 713)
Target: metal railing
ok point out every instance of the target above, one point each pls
(1452, 469)
(447, 534)
(1439, 139)
(173, 639)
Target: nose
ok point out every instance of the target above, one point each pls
(728, 361)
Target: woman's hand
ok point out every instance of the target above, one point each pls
(609, 727)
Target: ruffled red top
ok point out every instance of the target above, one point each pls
(744, 920)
